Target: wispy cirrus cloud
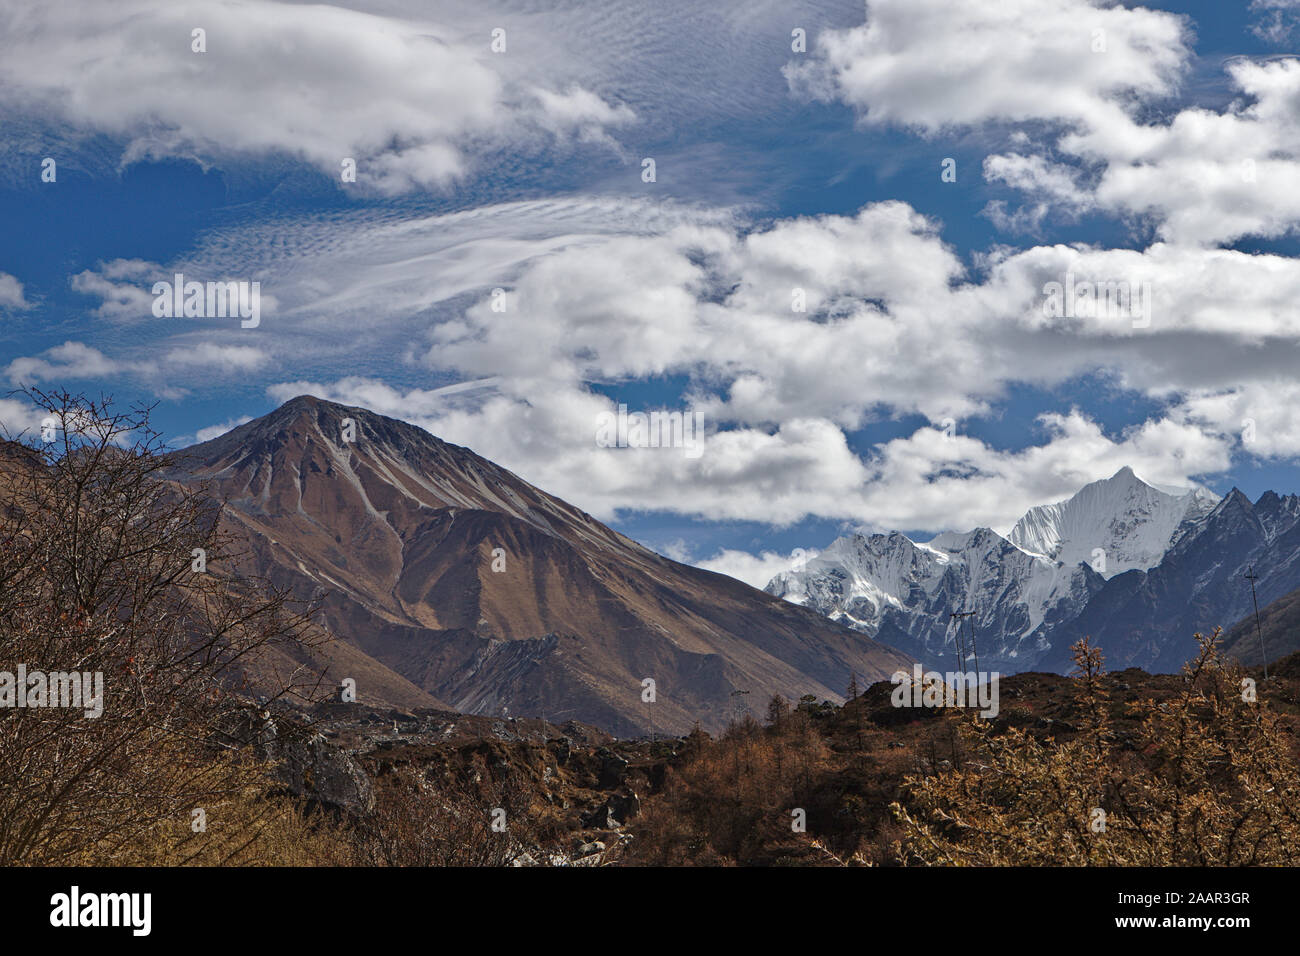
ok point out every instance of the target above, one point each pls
(410, 100)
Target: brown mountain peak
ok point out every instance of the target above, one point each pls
(489, 593)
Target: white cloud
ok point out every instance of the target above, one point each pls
(928, 481)
(1054, 186)
(895, 325)
(877, 326)
(411, 100)
(924, 481)
(754, 569)
(1208, 177)
(211, 357)
(172, 376)
(1201, 176)
(612, 292)
(1258, 414)
(71, 360)
(123, 286)
(1275, 20)
(11, 293)
(1037, 174)
(216, 431)
(582, 112)
(939, 63)
(18, 417)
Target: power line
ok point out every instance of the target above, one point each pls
(1252, 577)
(961, 643)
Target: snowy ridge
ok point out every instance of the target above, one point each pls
(1055, 558)
(1129, 522)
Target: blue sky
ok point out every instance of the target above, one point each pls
(1104, 141)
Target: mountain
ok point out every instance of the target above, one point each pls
(495, 597)
(1114, 525)
(902, 593)
(1023, 588)
(1147, 618)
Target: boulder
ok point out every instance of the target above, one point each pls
(317, 772)
(613, 769)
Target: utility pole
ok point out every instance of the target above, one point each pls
(1252, 577)
(961, 644)
(737, 708)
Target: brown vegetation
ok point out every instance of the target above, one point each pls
(99, 575)
(1209, 779)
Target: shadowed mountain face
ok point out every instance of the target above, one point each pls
(1148, 618)
(495, 597)
(1275, 635)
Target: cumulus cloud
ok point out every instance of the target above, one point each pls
(890, 311)
(216, 431)
(938, 63)
(1049, 185)
(1256, 414)
(893, 324)
(18, 417)
(790, 334)
(122, 286)
(11, 293)
(1037, 174)
(814, 317)
(1091, 72)
(170, 376)
(754, 569)
(928, 480)
(958, 477)
(212, 357)
(1275, 20)
(71, 360)
(1210, 177)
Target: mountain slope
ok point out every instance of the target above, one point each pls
(492, 595)
(1277, 636)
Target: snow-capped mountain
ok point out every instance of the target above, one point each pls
(1020, 587)
(1114, 525)
(903, 593)
(1149, 618)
